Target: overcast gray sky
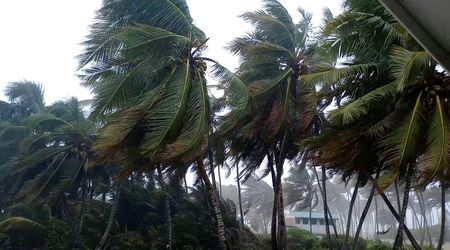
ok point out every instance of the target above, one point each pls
(40, 39)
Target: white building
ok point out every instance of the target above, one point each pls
(301, 219)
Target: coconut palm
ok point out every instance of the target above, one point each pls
(273, 56)
(400, 101)
(143, 63)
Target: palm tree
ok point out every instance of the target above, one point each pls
(273, 56)
(397, 99)
(143, 63)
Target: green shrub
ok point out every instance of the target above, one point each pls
(299, 239)
(337, 242)
(59, 235)
(378, 245)
(128, 240)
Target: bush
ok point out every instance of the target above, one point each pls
(337, 242)
(59, 235)
(128, 240)
(299, 239)
(378, 245)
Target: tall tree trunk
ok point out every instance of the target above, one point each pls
(442, 232)
(350, 213)
(310, 212)
(76, 239)
(162, 183)
(185, 184)
(424, 216)
(325, 206)
(112, 214)
(394, 213)
(376, 218)
(273, 225)
(321, 193)
(238, 181)
(220, 179)
(214, 198)
(211, 167)
(279, 164)
(363, 216)
(398, 244)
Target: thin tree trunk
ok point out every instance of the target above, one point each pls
(82, 208)
(238, 181)
(112, 214)
(442, 232)
(214, 198)
(273, 225)
(394, 213)
(166, 206)
(376, 218)
(398, 244)
(220, 180)
(424, 216)
(325, 206)
(350, 213)
(321, 193)
(363, 216)
(279, 164)
(185, 184)
(211, 167)
(310, 212)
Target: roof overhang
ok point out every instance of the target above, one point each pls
(429, 23)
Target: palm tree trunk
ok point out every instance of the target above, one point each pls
(220, 179)
(363, 216)
(376, 218)
(185, 184)
(279, 164)
(273, 225)
(211, 167)
(350, 213)
(325, 206)
(112, 214)
(399, 239)
(76, 239)
(238, 181)
(310, 212)
(424, 216)
(166, 206)
(442, 232)
(214, 198)
(321, 193)
(394, 213)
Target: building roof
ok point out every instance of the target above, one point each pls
(428, 21)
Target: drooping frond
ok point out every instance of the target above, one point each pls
(188, 144)
(236, 92)
(399, 147)
(271, 28)
(28, 94)
(361, 107)
(164, 120)
(34, 187)
(334, 74)
(434, 163)
(408, 64)
(37, 157)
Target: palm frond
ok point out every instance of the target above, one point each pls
(39, 156)
(334, 74)
(407, 64)
(399, 147)
(361, 107)
(433, 164)
(164, 120)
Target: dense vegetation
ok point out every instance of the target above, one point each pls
(358, 98)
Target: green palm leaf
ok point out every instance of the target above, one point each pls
(407, 64)
(399, 147)
(435, 160)
(361, 107)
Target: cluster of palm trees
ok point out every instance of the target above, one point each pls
(152, 110)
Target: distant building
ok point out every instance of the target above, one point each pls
(300, 219)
